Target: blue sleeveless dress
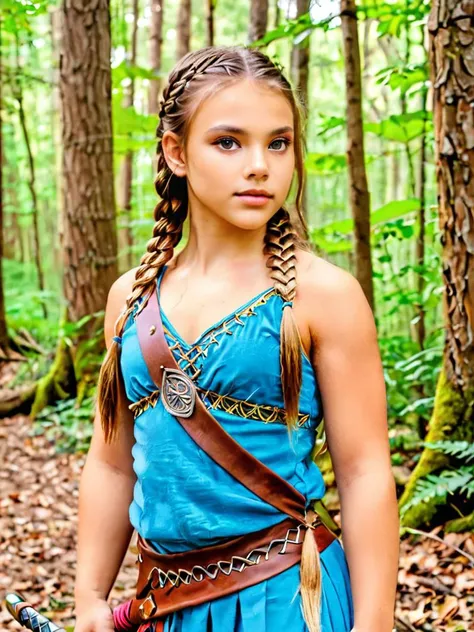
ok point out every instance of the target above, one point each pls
(184, 500)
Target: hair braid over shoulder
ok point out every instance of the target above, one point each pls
(280, 248)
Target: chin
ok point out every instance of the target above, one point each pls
(252, 219)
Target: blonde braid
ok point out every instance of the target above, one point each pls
(280, 248)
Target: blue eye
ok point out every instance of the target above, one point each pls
(286, 142)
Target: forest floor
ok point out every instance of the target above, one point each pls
(38, 522)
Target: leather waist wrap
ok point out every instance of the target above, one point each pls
(167, 583)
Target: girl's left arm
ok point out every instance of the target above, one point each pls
(347, 362)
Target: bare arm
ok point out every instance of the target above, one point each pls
(347, 361)
(106, 490)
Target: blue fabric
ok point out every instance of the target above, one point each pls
(184, 500)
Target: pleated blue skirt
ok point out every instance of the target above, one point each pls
(275, 604)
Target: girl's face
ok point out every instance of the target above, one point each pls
(240, 138)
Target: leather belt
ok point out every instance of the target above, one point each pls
(170, 582)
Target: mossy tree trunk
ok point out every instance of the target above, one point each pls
(451, 42)
(89, 234)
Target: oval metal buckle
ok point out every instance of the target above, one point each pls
(178, 393)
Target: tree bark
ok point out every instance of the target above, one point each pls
(184, 29)
(211, 5)
(156, 42)
(89, 238)
(258, 20)
(300, 55)
(359, 192)
(452, 70)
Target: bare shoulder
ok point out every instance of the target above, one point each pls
(117, 296)
(331, 300)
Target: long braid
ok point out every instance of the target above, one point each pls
(169, 214)
(280, 247)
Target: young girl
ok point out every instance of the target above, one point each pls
(205, 441)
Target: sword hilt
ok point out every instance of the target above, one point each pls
(27, 616)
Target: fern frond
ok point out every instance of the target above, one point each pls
(462, 450)
(438, 486)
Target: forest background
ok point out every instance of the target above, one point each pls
(388, 89)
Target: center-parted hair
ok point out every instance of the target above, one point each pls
(196, 76)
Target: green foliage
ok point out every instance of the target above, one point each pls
(392, 15)
(332, 237)
(132, 131)
(462, 450)
(406, 370)
(404, 77)
(439, 486)
(126, 71)
(402, 128)
(68, 426)
(296, 29)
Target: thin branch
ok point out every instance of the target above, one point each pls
(441, 541)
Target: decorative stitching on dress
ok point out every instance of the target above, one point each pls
(159, 578)
(185, 358)
(242, 408)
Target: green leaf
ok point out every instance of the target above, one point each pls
(385, 213)
(401, 128)
(325, 163)
(394, 209)
(459, 449)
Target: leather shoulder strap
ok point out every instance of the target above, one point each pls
(205, 430)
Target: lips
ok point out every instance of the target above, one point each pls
(254, 194)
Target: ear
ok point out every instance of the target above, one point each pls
(173, 153)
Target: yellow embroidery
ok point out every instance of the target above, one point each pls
(240, 407)
(187, 358)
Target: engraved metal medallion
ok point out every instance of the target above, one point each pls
(178, 393)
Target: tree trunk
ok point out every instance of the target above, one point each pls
(125, 235)
(420, 325)
(258, 20)
(18, 93)
(89, 238)
(211, 5)
(4, 345)
(359, 192)
(156, 42)
(276, 22)
(451, 37)
(300, 76)
(184, 29)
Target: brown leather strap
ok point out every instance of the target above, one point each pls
(275, 549)
(205, 430)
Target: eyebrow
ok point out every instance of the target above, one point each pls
(238, 130)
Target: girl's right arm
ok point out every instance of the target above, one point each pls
(105, 494)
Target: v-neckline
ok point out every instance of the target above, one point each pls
(215, 325)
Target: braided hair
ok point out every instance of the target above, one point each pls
(197, 75)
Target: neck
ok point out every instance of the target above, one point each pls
(216, 248)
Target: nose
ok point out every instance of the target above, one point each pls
(256, 164)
